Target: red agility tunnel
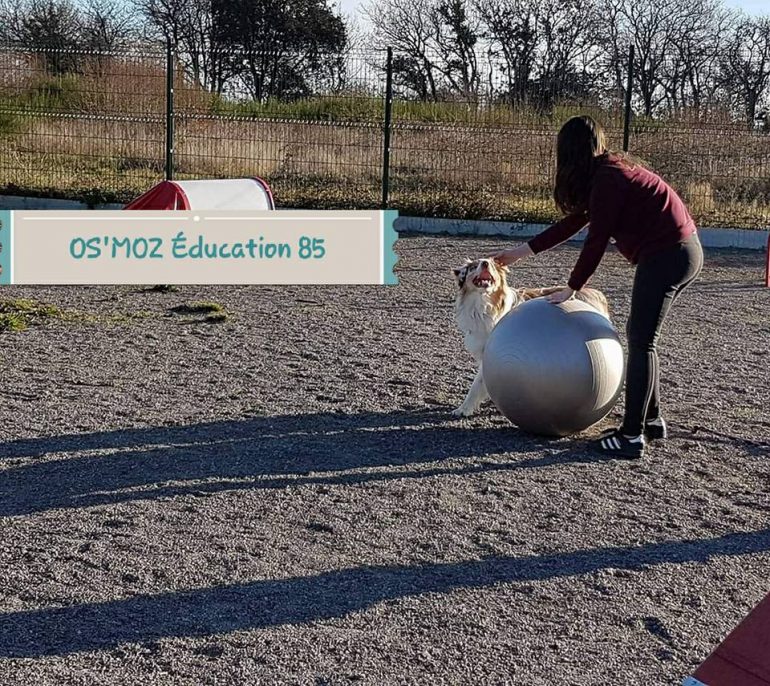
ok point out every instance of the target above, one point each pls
(227, 194)
(767, 265)
(743, 658)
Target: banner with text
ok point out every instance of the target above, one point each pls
(203, 247)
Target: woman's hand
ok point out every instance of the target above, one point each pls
(561, 296)
(513, 255)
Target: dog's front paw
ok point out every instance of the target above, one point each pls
(463, 411)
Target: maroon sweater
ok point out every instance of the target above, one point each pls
(631, 205)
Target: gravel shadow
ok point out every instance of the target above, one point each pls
(254, 453)
(304, 600)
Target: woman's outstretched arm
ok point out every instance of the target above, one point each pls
(552, 236)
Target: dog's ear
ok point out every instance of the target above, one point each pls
(460, 273)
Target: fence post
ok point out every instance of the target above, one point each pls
(386, 129)
(169, 111)
(629, 93)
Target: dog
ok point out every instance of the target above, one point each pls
(483, 298)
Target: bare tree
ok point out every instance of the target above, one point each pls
(456, 36)
(8, 19)
(191, 26)
(511, 29)
(54, 23)
(288, 48)
(689, 76)
(45, 24)
(568, 46)
(352, 73)
(652, 28)
(745, 65)
(408, 27)
(356, 34)
(106, 26)
(614, 43)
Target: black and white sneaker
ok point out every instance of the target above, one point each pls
(655, 429)
(616, 444)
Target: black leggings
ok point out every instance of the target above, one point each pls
(659, 281)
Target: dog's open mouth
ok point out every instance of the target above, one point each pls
(484, 278)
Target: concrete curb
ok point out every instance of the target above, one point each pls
(18, 202)
(710, 238)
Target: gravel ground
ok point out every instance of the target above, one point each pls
(283, 498)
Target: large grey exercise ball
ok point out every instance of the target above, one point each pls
(551, 369)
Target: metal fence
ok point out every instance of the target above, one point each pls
(355, 131)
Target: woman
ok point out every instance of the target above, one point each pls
(622, 201)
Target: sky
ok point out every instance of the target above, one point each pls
(752, 6)
(748, 6)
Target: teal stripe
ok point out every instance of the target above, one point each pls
(389, 238)
(5, 247)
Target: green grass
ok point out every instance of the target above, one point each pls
(348, 109)
(370, 108)
(10, 124)
(49, 94)
(67, 184)
(20, 313)
(74, 93)
(12, 322)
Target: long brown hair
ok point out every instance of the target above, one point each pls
(580, 141)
